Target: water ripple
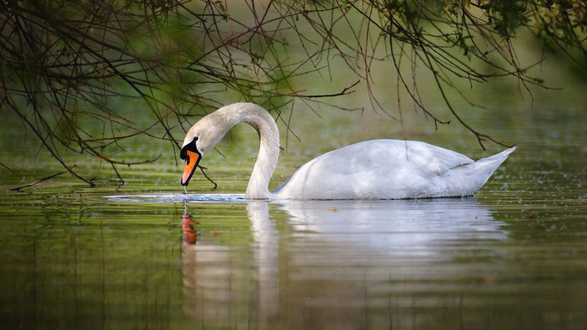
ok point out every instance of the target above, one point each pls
(180, 198)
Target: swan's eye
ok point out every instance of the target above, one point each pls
(188, 147)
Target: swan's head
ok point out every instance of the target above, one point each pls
(202, 137)
(191, 155)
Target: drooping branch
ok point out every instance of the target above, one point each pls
(69, 68)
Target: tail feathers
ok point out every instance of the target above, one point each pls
(507, 152)
(496, 159)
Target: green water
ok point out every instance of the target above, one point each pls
(512, 257)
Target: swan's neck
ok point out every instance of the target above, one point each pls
(262, 121)
(258, 187)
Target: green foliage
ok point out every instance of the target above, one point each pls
(506, 16)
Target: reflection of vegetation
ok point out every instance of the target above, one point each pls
(68, 67)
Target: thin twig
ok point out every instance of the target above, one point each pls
(202, 170)
(41, 180)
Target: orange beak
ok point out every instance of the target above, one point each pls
(191, 162)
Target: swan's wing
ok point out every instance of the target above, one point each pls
(430, 161)
(387, 156)
(372, 169)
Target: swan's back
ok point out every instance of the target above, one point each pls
(389, 169)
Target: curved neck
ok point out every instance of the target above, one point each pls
(261, 120)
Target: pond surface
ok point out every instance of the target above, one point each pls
(146, 256)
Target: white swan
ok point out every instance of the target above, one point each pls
(378, 169)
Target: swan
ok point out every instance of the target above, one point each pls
(376, 169)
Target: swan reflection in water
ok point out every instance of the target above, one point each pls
(339, 264)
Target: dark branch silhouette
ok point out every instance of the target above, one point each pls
(67, 66)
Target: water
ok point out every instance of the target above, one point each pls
(147, 256)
